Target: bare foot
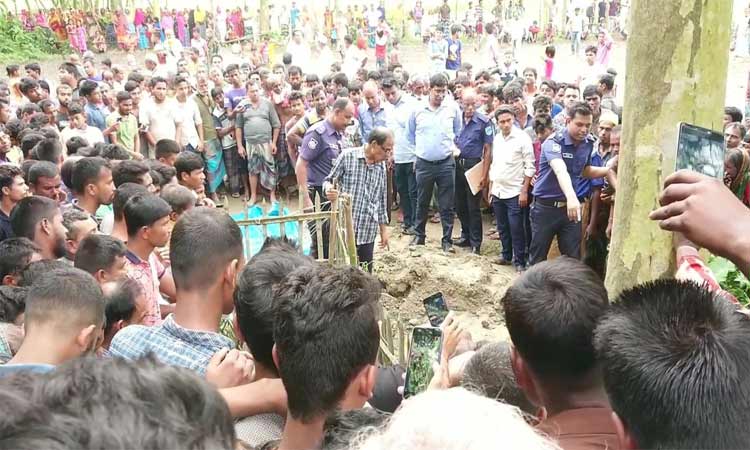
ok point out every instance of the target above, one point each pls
(273, 198)
(251, 201)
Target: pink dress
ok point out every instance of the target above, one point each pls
(549, 68)
(181, 30)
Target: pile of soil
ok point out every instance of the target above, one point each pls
(472, 285)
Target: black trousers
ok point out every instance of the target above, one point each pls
(467, 205)
(442, 173)
(312, 190)
(548, 222)
(364, 255)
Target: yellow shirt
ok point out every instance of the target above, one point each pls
(199, 15)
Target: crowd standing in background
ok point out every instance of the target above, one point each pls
(119, 266)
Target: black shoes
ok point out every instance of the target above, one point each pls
(475, 251)
(502, 262)
(462, 242)
(416, 240)
(448, 248)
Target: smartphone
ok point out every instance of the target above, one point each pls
(424, 351)
(119, 119)
(436, 308)
(700, 150)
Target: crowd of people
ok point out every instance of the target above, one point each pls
(130, 317)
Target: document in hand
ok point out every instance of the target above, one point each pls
(474, 177)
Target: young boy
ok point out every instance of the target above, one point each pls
(453, 63)
(79, 127)
(124, 126)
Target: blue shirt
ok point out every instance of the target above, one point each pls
(454, 54)
(576, 158)
(475, 134)
(598, 160)
(320, 146)
(432, 131)
(7, 370)
(170, 343)
(369, 119)
(6, 230)
(556, 109)
(398, 122)
(95, 116)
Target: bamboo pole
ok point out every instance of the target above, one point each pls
(287, 218)
(333, 233)
(351, 241)
(319, 229)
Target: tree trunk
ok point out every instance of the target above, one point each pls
(263, 19)
(677, 59)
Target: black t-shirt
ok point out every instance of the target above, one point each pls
(590, 11)
(602, 8)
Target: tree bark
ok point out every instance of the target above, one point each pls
(677, 59)
(263, 19)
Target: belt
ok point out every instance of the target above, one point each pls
(440, 161)
(553, 203)
(468, 160)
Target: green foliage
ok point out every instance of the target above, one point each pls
(18, 45)
(730, 279)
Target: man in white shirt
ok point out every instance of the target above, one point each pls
(160, 117)
(78, 127)
(510, 173)
(576, 30)
(300, 52)
(192, 125)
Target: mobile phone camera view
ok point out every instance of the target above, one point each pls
(424, 351)
(436, 308)
(700, 150)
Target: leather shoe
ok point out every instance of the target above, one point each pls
(416, 241)
(408, 231)
(475, 251)
(462, 242)
(448, 248)
(502, 262)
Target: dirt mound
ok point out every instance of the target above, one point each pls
(473, 286)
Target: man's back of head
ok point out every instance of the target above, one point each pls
(326, 325)
(254, 299)
(676, 365)
(551, 312)
(15, 255)
(30, 212)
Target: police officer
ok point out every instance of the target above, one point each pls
(320, 146)
(432, 129)
(475, 143)
(565, 159)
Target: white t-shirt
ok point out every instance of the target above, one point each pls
(191, 119)
(161, 119)
(353, 58)
(93, 135)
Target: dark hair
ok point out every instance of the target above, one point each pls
(123, 96)
(87, 171)
(551, 312)
(203, 242)
(504, 109)
(580, 109)
(489, 373)
(326, 324)
(8, 173)
(157, 80)
(166, 172)
(34, 67)
(354, 85)
(543, 122)
(609, 83)
(63, 296)
(15, 255)
(66, 171)
(590, 91)
(676, 359)
(70, 217)
(733, 112)
(49, 150)
(123, 193)
(75, 143)
(12, 302)
(438, 80)
(254, 299)
(75, 108)
(87, 88)
(143, 211)
(512, 92)
(129, 171)
(340, 79)
(341, 104)
(115, 152)
(550, 51)
(29, 141)
(590, 48)
(12, 69)
(27, 84)
(38, 269)
(38, 120)
(296, 95)
(179, 198)
(187, 162)
(120, 302)
(540, 102)
(130, 86)
(166, 147)
(379, 135)
(98, 252)
(343, 427)
(114, 403)
(29, 212)
(294, 70)
(389, 82)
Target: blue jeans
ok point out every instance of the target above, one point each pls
(575, 42)
(406, 185)
(548, 222)
(509, 218)
(442, 173)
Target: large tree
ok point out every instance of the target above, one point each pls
(263, 19)
(677, 58)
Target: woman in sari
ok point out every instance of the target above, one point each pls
(181, 26)
(737, 173)
(121, 29)
(167, 23)
(57, 26)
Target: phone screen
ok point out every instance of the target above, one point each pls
(700, 150)
(424, 351)
(436, 308)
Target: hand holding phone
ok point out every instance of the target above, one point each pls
(700, 150)
(436, 308)
(424, 353)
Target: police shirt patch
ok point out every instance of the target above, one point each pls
(488, 130)
(556, 148)
(567, 155)
(312, 144)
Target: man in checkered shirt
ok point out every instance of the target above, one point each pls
(361, 172)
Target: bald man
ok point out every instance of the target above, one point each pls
(372, 112)
(475, 144)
